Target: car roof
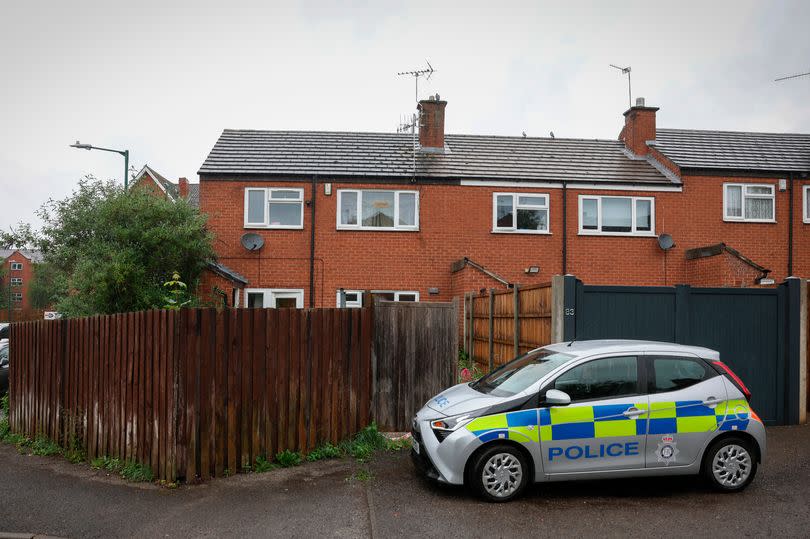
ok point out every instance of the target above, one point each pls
(608, 346)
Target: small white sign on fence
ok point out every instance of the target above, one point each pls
(52, 315)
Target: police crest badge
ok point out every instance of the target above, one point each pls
(667, 450)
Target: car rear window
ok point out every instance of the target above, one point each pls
(674, 373)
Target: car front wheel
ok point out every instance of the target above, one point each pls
(499, 473)
(730, 464)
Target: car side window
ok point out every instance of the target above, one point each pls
(600, 379)
(676, 373)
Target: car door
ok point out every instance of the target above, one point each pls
(687, 399)
(603, 427)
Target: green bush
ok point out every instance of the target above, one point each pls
(325, 451)
(263, 465)
(136, 472)
(288, 458)
(45, 447)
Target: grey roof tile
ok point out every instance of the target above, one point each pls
(390, 155)
(778, 152)
(194, 194)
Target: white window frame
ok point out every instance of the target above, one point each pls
(271, 294)
(268, 191)
(742, 218)
(515, 207)
(16, 281)
(396, 228)
(16, 266)
(17, 297)
(355, 304)
(633, 232)
(398, 293)
(805, 202)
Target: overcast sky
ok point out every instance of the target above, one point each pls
(163, 78)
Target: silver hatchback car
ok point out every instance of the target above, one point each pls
(589, 410)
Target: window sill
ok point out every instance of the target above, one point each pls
(276, 227)
(619, 234)
(530, 232)
(760, 221)
(374, 229)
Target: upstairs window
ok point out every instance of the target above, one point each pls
(16, 297)
(618, 216)
(806, 190)
(16, 266)
(378, 210)
(749, 202)
(520, 212)
(274, 208)
(16, 281)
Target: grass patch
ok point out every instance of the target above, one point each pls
(44, 447)
(107, 463)
(136, 472)
(325, 451)
(363, 475)
(287, 458)
(263, 465)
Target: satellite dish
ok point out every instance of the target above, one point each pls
(252, 241)
(666, 242)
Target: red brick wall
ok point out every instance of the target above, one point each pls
(27, 274)
(456, 221)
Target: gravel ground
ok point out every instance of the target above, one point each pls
(50, 496)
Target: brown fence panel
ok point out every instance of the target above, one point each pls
(415, 356)
(503, 324)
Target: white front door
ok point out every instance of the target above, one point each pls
(274, 298)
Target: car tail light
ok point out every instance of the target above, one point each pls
(734, 378)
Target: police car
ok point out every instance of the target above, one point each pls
(588, 410)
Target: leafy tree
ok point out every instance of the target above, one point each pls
(108, 251)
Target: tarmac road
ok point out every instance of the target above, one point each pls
(40, 495)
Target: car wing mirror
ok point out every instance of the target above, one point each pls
(555, 396)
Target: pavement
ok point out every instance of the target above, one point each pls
(48, 496)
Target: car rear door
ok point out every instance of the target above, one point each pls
(600, 429)
(684, 394)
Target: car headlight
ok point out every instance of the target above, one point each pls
(450, 424)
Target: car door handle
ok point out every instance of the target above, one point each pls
(712, 401)
(633, 412)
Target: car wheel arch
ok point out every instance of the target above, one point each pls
(502, 442)
(728, 435)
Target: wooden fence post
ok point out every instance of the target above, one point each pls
(491, 329)
(472, 326)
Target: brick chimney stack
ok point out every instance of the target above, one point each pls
(639, 127)
(431, 124)
(182, 185)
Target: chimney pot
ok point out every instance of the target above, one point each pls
(639, 101)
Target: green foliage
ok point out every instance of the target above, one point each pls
(42, 292)
(178, 293)
(45, 447)
(136, 472)
(288, 458)
(4, 403)
(365, 443)
(325, 451)
(363, 474)
(110, 464)
(468, 369)
(263, 465)
(110, 251)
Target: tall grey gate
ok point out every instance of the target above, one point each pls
(755, 330)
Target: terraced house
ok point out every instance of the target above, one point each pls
(300, 216)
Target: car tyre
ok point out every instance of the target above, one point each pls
(730, 464)
(499, 473)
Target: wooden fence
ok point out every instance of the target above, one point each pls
(500, 325)
(196, 392)
(415, 352)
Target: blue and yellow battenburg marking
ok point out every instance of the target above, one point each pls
(607, 421)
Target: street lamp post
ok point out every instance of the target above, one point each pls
(125, 153)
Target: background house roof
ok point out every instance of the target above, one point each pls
(171, 189)
(390, 155)
(779, 152)
(30, 254)
(194, 194)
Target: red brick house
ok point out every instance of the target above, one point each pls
(15, 280)
(432, 218)
(147, 178)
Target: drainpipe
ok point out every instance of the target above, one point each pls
(790, 227)
(312, 245)
(565, 228)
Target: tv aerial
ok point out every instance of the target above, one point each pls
(792, 76)
(626, 71)
(427, 73)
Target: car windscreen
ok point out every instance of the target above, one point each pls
(520, 373)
